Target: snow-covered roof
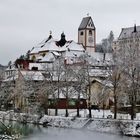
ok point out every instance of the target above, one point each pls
(11, 67)
(104, 82)
(70, 45)
(27, 75)
(99, 56)
(11, 78)
(48, 58)
(128, 32)
(100, 59)
(73, 54)
(98, 73)
(32, 75)
(35, 50)
(56, 53)
(75, 47)
(50, 45)
(72, 93)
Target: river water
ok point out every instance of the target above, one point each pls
(40, 133)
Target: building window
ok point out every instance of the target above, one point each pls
(81, 33)
(35, 68)
(21, 66)
(51, 102)
(72, 102)
(43, 54)
(90, 24)
(90, 32)
(33, 58)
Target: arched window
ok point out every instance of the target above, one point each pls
(81, 33)
(33, 58)
(90, 32)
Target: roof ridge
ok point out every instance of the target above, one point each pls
(131, 27)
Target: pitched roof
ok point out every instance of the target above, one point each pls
(48, 58)
(127, 32)
(35, 50)
(85, 22)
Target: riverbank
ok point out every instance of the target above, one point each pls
(124, 127)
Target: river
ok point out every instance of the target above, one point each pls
(40, 133)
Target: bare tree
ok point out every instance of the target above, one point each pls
(19, 93)
(115, 79)
(107, 43)
(87, 79)
(80, 85)
(43, 95)
(129, 60)
(132, 74)
(68, 84)
(46, 87)
(58, 74)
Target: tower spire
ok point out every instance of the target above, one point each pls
(135, 28)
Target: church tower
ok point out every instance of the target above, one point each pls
(87, 34)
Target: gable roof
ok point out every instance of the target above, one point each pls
(85, 22)
(127, 32)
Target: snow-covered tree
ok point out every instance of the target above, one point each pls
(69, 80)
(58, 73)
(115, 79)
(80, 85)
(106, 44)
(131, 61)
(87, 80)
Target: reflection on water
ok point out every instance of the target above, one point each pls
(72, 134)
(13, 128)
(35, 132)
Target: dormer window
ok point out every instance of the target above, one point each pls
(43, 54)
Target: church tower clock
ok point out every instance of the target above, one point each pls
(87, 34)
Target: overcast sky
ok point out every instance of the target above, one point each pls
(25, 23)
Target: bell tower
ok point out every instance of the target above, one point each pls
(87, 34)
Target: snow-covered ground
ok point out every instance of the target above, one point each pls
(83, 113)
(73, 112)
(95, 113)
